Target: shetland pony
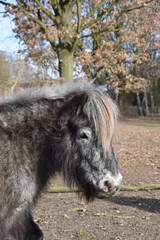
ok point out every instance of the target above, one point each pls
(66, 128)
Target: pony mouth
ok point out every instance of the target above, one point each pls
(105, 193)
(110, 184)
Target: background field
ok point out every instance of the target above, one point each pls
(130, 215)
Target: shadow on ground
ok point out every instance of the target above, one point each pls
(146, 204)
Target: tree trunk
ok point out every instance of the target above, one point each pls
(152, 99)
(146, 104)
(156, 93)
(139, 104)
(66, 64)
(152, 102)
(17, 76)
(65, 49)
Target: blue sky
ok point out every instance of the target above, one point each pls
(8, 42)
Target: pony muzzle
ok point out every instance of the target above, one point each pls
(110, 184)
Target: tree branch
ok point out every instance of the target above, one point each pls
(78, 24)
(90, 14)
(5, 3)
(91, 22)
(46, 11)
(137, 7)
(58, 6)
(101, 31)
(40, 23)
(97, 8)
(8, 4)
(79, 16)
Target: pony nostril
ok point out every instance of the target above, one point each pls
(107, 184)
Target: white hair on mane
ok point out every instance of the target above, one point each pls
(104, 113)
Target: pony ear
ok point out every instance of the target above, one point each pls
(80, 101)
(75, 102)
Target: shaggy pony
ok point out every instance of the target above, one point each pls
(66, 128)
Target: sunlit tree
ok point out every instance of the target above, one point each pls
(100, 38)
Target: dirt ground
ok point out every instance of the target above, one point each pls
(128, 215)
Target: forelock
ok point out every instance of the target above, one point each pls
(103, 112)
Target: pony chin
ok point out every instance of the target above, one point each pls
(90, 193)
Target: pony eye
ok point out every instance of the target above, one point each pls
(85, 134)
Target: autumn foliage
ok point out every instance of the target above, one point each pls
(110, 41)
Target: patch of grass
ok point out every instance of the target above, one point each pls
(73, 210)
(82, 233)
(144, 187)
(62, 189)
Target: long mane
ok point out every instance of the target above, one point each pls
(103, 112)
(99, 108)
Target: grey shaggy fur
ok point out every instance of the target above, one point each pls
(65, 128)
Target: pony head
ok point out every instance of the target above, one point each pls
(87, 120)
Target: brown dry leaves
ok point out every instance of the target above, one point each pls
(138, 151)
(106, 37)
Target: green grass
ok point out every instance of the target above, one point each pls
(144, 187)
